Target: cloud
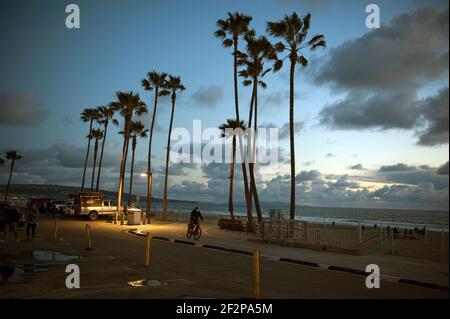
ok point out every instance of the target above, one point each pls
(209, 95)
(21, 108)
(330, 155)
(411, 49)
(382, 71)
(435, 113)
(411, 175)
(400, 167)
(443, 170)
(276, 100)
(357, 167)
(308, 176)
(283, 132)
(385, 110)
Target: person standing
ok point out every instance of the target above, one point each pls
(32, 221)
(12, 221)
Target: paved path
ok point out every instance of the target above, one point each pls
(391, 266)
(187, 271)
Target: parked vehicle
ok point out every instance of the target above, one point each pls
(93, 205)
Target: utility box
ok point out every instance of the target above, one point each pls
(134, 217)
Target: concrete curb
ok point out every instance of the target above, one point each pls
(300, 262)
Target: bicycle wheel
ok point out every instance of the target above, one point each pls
(197, 233)
(189, 232)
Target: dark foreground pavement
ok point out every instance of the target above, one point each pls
(186, 271)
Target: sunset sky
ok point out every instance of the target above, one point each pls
(371, 109)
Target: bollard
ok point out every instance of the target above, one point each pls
(359, 232)
(256, 275)
(147, 250)
(392, 244)
(88, 237)
(55, 229)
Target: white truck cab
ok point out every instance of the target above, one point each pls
(92, 205)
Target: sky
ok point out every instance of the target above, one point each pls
(371, 109)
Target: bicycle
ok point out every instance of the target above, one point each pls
(194, 229)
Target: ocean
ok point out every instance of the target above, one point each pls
(404, 218)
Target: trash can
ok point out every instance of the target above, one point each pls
(134, 217)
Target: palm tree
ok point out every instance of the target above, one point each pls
(13, 157)
(154, 81)
(293, 31)
(88, 115)
(127, 105)
(231, 124)
(96, 135)
(258, 50)
(172, 86)
(137, 129)
(236, 26)
(105, 115)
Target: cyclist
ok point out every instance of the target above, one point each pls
(195, 215)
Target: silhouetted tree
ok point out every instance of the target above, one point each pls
(172, 86)
(88, 115)
(231, 124)
(13, 157)
(137, 129)
(230, 30)
(257, 50)
(154, 81)
(127, 104)
(293, 30)
(96, 135)
(105, 116)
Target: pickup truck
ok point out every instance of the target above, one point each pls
(92, 205)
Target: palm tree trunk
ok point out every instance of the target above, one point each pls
(122, 168)
(93, 167)
(101, 157)
(87, 155)
(253, 188)
(236, 103)
(167, 160)
(149, 162)
(9, 180)
(230, 194)
(133, 148)
(291, 133)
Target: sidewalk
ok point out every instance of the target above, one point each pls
(392, 267)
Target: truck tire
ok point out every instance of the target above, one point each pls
(93, 215)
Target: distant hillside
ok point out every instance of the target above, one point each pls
(61, 192)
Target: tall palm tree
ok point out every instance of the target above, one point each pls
(13, 157)
(225, 128)
(88, 115)
(258, 50)
(235, 26)
(137, 129)
(105, 116)
(172, 86)
(293, 30)
(96, 135)
(154, 81)
(127, 104)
